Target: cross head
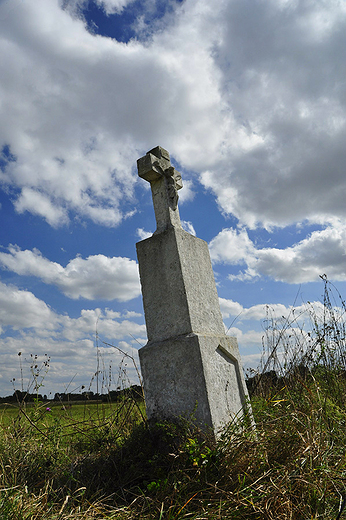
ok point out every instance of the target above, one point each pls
(165, 181)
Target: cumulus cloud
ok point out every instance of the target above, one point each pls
(230, 308)
(293, 323)
(83, 117)
(104, 322)
(40, 204)
(187, 193)
(96, 277)
(72, 366)
(286, 85)
(246, 339)
(63, 158)
(258, 312)
(322, 252)
(231, 246)
(29, 326)
(261, 117)
(19, 308)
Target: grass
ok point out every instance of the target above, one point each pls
(98, 461)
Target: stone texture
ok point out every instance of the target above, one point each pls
(195, 376)
(155, 167)
(178, 288)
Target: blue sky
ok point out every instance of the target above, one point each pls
(249, 99)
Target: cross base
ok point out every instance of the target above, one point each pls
(195, 376)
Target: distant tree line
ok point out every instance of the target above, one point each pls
(133, 392)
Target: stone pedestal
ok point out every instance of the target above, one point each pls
(195, 376)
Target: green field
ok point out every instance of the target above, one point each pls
(72, 420)
(65, 413)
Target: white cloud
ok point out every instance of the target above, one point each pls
(76, 114)
(187, 193)
(76, 7)
(19, 308)
(229, 308)
(102, 322)
(231, 246)
(281, 326)
(142, 234)
(322, 252)
(72, 366)
(114, 6)
(285, 87)
(261, 117)
(29, 326)
(130, 314)
(188, 226)
(251, 362)
(250, 101)
(96, 277)
(40, 204)
(249, 341)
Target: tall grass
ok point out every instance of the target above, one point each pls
(115, 465)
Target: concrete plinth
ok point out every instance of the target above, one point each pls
(195, 376)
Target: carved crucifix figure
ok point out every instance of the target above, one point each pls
(165, 181)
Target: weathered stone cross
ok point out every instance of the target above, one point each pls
(189, 365)
(165, 181)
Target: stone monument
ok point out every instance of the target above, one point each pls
(190, 367)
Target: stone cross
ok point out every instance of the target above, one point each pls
(189, 366)
(165, 181)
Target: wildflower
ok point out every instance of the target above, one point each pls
(48, 409)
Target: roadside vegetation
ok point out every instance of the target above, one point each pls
(103, 460)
